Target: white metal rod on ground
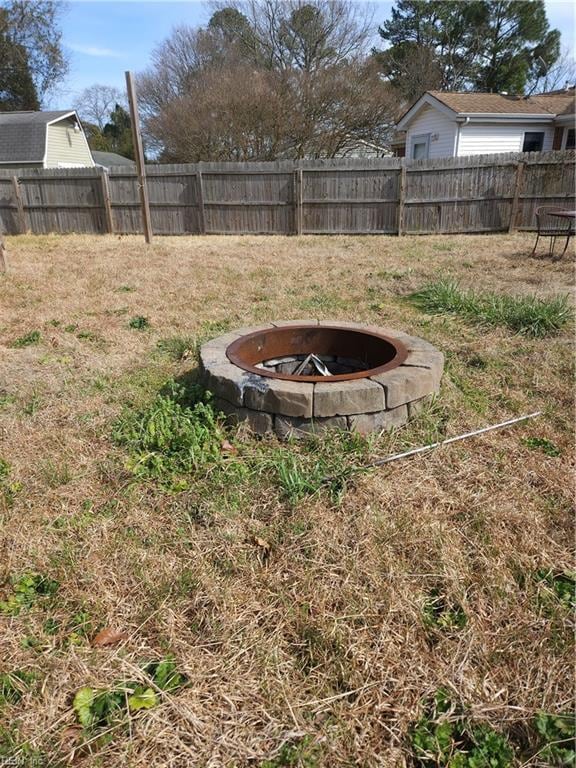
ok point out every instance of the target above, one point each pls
(139, 154)
(414, 451)
(3, 254)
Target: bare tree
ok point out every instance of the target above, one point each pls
(562, 73)
(220, 119)
(175, 62)
(96, 103)
(299, 34)
(284, 114)
(266, 79)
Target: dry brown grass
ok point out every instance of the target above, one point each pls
(324, 637)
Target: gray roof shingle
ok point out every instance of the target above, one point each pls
(23, 135)
(109, 159)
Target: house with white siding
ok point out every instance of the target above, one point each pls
(462, 124)
(43, 140)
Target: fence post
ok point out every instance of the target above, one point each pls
(107, 203)
(19, 205)
(514, 207)
(298, 201)
(201, 211)
(401, 197)
(139, 154)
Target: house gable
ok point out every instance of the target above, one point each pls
(425, 101)
(66, 144)
(434, 128)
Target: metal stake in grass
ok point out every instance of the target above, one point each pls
(3, 255)
(430, 446)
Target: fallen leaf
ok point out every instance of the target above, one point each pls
(54, 341)
(109, 636)
(227, 447)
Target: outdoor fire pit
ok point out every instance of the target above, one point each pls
(300, 376)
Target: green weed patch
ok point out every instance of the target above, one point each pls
(445, 737)
(322, 464)
(13, 685)
(139, 323)
(542, 444)
(178, 348)
(8, 487)
(439, 612)
(169, 440)
(527, 315)
(556, 586)
(26, 590)
(557, 736)
(106, 708)
(304, 753)
(33, 337)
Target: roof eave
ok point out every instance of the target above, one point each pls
(62, 117)
(565, 120)
(516, 117)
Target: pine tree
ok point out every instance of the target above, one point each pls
(118, 132)
(17, 90)
(518, 45)
(485, 45)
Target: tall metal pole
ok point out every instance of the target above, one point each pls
(139, 152)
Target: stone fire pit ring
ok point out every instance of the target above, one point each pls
(380, 376)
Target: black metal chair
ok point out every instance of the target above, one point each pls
(553, 226)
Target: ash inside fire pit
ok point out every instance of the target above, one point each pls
(297, 377)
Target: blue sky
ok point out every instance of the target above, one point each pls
(103, 39)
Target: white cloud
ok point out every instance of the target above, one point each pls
(94, 50)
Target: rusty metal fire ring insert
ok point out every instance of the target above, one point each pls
(376, 352)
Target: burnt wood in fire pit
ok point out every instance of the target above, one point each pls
(374, 378)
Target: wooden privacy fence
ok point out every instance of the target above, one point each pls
(486, 193)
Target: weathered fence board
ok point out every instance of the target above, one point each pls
(8, 207)
(350, 200)
(486, 193)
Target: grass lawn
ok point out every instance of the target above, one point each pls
(234, 611)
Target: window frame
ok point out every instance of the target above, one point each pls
(421, 138)
(533, 133)
(565, 138)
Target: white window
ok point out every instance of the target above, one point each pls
(420, 147)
